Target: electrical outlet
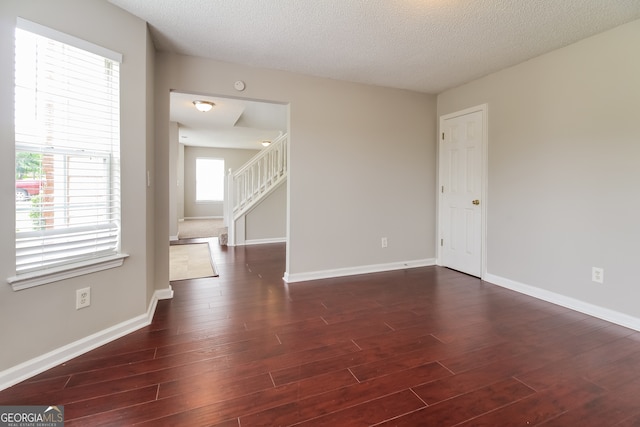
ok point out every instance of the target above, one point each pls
(384, 242)
(597, 274)
(83, 298)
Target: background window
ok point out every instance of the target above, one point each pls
(209, 180)
(67, 139)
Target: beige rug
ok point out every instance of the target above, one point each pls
(190, 261)
(199, 228)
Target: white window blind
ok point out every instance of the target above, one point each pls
(67, 136)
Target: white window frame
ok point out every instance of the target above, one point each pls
(30, 279)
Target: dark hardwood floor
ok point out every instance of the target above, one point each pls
(421, 347)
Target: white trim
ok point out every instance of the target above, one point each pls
(263, 241)
(160, 294)
(351, 271)
(254, 203)
(173, 238)
(484, 108)
(568, 302)
(39, 364)
(202, 217)
(61, 37)
(37, 278)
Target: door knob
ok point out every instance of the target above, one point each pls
(476, 202)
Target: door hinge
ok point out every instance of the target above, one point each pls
(441, 242)
(442, 191)
(443, 135)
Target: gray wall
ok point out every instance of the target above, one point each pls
(268, 220)
(233, 159)
(41, 319)
(180, 177)
(150, 256)
(176, 185)
(564, 156)
(362, 159)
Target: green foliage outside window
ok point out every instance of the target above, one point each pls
(35, 213)
(28, 165)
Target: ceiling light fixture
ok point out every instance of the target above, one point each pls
(203, 106)
(266, 143)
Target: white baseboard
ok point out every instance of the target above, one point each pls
(263, 241)
(202, 217)
(351, 271)
(173, 238)
(161, 294)
(568, 302)
(39, 364)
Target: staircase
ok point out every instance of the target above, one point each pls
(254, 181)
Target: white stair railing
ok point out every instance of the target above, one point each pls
(255, 180)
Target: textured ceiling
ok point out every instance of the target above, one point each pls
(421, 45)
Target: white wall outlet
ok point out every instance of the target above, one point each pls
(83, 298)
(597, 274)
(384, 242)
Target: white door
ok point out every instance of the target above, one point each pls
(461, 147)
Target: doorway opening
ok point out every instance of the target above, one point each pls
(231, 132)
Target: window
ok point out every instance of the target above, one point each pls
(209, 180)
(67, 140)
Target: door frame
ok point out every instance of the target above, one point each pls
(484, 182)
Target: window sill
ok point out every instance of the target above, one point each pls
(30, 280)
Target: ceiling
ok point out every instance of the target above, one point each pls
(420, 45)
(231, 123)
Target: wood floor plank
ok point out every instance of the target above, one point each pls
(364, 361)
(124, 371)
(31, 391)
(471, 380)
(465, 360)
(371, 412)
(396, 337)
(215, 386)
(87, 365)
(272, 358)
(215, 412)
(466, 406)
(423, 346)
(603, 411)
(106, 387)
(125, 399)
(540, 407)
(631, 421)
(580, 365)
(613, 376)
(326, 403)
(330, 334)
(400, 358)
